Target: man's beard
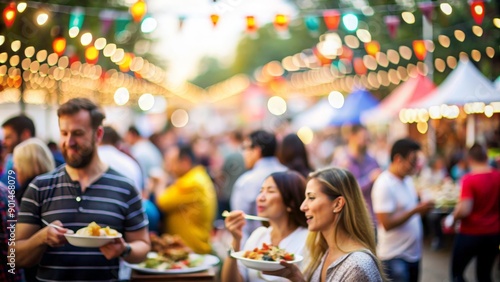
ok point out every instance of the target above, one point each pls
(83, 156)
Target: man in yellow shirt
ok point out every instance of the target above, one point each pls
(190, 202)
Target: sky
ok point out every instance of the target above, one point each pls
(198, 38)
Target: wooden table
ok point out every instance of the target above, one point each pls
(204, 276)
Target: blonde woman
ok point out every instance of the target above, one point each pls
(31, 158)
(341, 241)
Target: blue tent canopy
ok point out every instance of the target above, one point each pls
(355, 104)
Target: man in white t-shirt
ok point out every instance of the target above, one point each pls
(110, 154)
(396, 206)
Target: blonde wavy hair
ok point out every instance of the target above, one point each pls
(32, 158)
(353, 220)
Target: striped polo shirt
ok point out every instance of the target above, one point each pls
(110, 201)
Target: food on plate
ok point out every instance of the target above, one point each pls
(269, 253)
(93, 229)
(163, 263)
(169, 246)
(171, 252)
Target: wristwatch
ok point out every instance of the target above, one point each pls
(127, 251)
(230, 251)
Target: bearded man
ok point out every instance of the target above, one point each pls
(74, 195)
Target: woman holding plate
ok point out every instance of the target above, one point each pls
(279, 200)
(341, 242)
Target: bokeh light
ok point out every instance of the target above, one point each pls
(446, 8)
(336, 99)
(73, 32)
(21, 6)
(148, 25)
(121, 96)
(422, 127)
(350, 22)
(276, 105)
(15, 45)
(146, 101)
(408, 17)
(42, 18)
(100, 43)
(86, 38)
(179, 118)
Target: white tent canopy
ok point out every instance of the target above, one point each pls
(413, 90)
(317, 117)
(465, 84)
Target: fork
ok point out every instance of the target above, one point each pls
(57, 226)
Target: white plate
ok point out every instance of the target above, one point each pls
(89, 241)
(262, 265)
(209, 261)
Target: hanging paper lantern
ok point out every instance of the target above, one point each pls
(9, 14)
(76, 18)
(332, 19)
(124, 64)
(419, 49)
(251, 24)
(372, 48)
(214, 18)
(281, 22)
(91, 55)
(426, 8)
(477, 11)
(59, 45)
(138, 10)
(107, 17)
(359, 66)
(121, 25)
(312, 24)
(392, 23)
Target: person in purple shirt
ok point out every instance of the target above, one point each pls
(357, 160)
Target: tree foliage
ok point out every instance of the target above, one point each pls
(254, 53)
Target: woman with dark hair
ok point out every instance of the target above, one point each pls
(279, 200)
(341, 241)
(293, 154)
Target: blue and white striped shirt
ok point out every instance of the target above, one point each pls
(110, 201)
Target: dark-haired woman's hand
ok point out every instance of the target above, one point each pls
(234, 223)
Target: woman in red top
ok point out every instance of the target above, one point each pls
(479, 212)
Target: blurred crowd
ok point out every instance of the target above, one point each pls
(186, 182)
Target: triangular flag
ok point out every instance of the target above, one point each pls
(106, 17)
(215, 19)
(426, 8)
(392, 23)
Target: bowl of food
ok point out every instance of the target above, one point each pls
(92, 236)
(266, 258)
(170, 255)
